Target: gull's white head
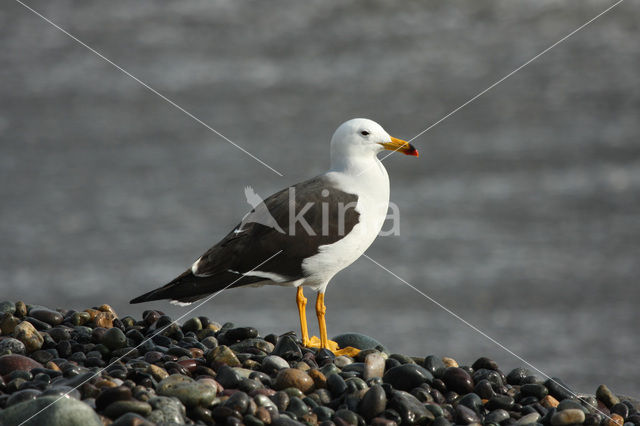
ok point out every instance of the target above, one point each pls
(361, 138)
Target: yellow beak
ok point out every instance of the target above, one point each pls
(400, 146)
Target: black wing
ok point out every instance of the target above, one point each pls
(324, 215)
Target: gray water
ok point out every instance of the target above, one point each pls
(522, 214)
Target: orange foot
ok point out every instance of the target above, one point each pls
(315, 342)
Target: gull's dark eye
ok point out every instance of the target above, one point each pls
(364, 133)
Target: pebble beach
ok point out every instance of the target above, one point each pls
(93, 367)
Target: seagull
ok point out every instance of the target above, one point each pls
(302, 235)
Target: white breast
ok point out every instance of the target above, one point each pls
(372, 189)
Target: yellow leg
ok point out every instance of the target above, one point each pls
(321, 310)
(324, 341)
(302, 311)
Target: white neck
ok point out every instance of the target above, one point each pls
(357, 165)
(364, 173)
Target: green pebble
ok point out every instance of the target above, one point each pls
(118, 408)
(58, 412)
(114, 338)
(7, 307)
(192, 324)
(294, 392)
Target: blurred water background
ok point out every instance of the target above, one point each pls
(522, 214)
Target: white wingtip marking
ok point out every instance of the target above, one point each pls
(179, 303)
(194, 267)
(267, 275)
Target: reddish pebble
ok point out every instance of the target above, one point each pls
(196, 352)
(616, 420)
(11, 362)
(319, 379)
(52, 366)
(549, 402)
(104, 319)
(189, 364)
(264, 415)
(292, 377)
(266, 392)
(381, 421)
